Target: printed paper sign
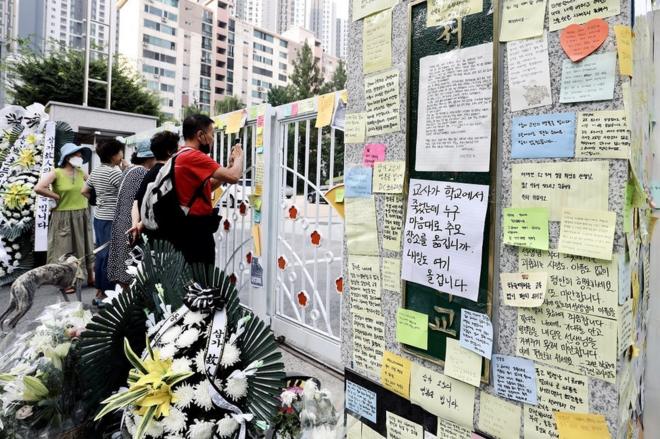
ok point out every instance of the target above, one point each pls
(526, 290)
(476, 332)
(529, 72)
(454, 114)
(592, 79)
(444, 236)
(545, 135)
(515, 378)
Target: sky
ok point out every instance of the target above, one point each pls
(342, 9)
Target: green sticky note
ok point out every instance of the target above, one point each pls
(526, 227)
(627, 207)
(412, 328)
(339, 195)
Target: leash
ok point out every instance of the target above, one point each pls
(96, 250)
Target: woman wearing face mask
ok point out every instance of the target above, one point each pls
(70, 229)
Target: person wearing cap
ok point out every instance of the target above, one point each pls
(70, 228)
(143, 159)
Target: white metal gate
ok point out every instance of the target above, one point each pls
(301, 234)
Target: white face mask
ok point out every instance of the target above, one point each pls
(76, 162)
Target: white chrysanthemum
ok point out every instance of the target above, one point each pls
(288, 397)
(199, 361)
(187, 338)
(155, 429)
(230, 355)
(174, 436)
(171, 334)
(168, 351)
(137, 420)
(181, 365)
(202, 396)
(200, 430)
(130, 425)
(184, 395)
(236, 387)
(192, 318)
(175, 421)
(226, 427)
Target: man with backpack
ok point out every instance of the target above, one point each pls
(178, 203)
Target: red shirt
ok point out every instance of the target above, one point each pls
(191, 168)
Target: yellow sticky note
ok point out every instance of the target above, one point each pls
(524, 289)
(368, 341)
(339, 195)
(381, 94)
(235, 122)
(441, 395)
(635, 286)
(335, 197)
(361, 233)
(402, 428)
(395, 374)
(412, 328)
(581, 426)
(602, 134)
(392, 274)
(353, 428)
(587, 233)
(355, 127)
(461, 363)
(217, 195)
(343, 95)
(377, 42)
(624, 48)
(362, 8)
(388, 177)
(449, 430)
(627, 101)
(526, 227)
(326, 106)
(256, 239)
(440, 12)
(499, 417)
(562, 13)
(392, 222)
(522, 19)
(364, 283)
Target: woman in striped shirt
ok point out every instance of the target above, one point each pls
(105, 181)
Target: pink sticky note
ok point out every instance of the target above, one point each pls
(373, 152)
(260, 121)
(294, 108)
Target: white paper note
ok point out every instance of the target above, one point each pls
(529, 73)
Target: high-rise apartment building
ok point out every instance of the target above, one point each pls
(262, 13)
(7, 30)
(322, 21)
(340, 38)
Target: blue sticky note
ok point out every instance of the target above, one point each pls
(357, 181)
(625, 277)
(543, 136)
(655, 193)
(361, 401)
(515, 378)
(591, 79)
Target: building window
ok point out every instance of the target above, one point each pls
(160, 13)
(205, 83)
(283, 55)
(159, 27)
(284, 43)
(262, 59)
(263, 48)
(263, 72)
(167, 88)
(146, 68)
(222, 24)
(230, 89)
(158, 42)
(174, 3)
(205, 97)
(205, 70)
(282, 78)
(230, 63)
(158, 56)
(263, 36)
(207, 43)
(260, 83)
(167, 102)
(221, 37)
(206, 57)
(222, 5)
(283, 66)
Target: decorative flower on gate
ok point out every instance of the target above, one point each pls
(248, 257)
(226, 225)
(316, 238)
(281, 263)
(293, 213)
(233, 279)
(339, 283)
(242, 208)
(303, 299)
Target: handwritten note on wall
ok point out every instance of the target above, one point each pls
(581, 426)
(557, 390)
(514, 378)
(372, 153)
(526, 290)
(592, 79)
(575, 283)
(388, 177)
(395, 374)
(624, 48)
(377, 42)
(522, 19)
(356, 126)
(412, 328)
(454, 113)
(361, 234)
(358, 182)
(462, 364)
(402, 428)
(392, 274)
(368, 341)
(526, 227)
(449, 430)
(442, 12)
(529, 72)
(602, 134)
(626, 328)
(392, 222)
(587, 233)
(362, 8)
(576, 342)
(441, 395)
(476, 332)
(544, 135)
(362, 402)
(558, 185)
(382, 99)
(564, 12)
(498, 417)
(364, 283)
(444, 236)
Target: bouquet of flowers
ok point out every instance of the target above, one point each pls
(39, 386)
(307, 412)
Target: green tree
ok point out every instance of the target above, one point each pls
(59, 77)
(338, 80)
(228, 104)
(192, 109)
(281, 95)
(306, 78)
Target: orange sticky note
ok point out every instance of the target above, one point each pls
(581, 426)
(580, 40)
